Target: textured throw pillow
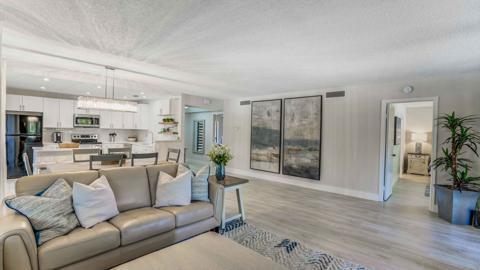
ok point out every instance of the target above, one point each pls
(200, 184)
(174, 191)
(199, 181)
(50, 212)
(94, 203)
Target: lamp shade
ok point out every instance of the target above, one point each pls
(419, 137)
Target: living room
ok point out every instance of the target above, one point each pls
(238, 135)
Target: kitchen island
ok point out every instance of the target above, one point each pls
(52, 156)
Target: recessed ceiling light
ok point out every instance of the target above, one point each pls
(88, 93)
(142, 93)
(99, 86)
(46, 79)
(43, 87)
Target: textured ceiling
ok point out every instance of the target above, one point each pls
(245, 48)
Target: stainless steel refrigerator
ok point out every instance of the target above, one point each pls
(24, 131)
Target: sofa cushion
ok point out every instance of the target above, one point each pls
(130, 186)
(154, 170)
(174, 191)
(79, 244)
(138, 224)
(50, 213)
(94, 203)
(191, 213)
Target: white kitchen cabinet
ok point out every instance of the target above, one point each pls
(117, 120)
(51, 113)
(128, 120)
(111, 120)
(142, 117)
(32, 104)
(66, 113)
(57, 113)
(14, 103)
(105, 119)
(24, 103)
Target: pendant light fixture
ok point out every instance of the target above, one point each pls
(107, 104)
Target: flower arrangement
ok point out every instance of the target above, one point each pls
(220, 154)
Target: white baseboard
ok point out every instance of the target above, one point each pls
(312, 184)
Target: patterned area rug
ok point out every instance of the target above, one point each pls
(289, 253)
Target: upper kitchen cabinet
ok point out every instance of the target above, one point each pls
(57, 113)
(111, 120)
(24, 103)
(142, 117)
(129, 120)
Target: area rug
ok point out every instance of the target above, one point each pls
(292, 254)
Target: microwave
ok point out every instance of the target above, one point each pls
(86, 120)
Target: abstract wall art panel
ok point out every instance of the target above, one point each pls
(302, 137)
(266, 134)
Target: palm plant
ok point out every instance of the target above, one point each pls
(463, 137)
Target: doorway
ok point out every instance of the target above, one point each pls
(203, 128)
(408, 146)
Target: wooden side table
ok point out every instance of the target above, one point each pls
(229, 184)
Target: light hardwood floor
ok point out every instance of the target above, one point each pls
(398, 234)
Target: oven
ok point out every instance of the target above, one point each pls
(86, 120)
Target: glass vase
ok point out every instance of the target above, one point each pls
(220, 172)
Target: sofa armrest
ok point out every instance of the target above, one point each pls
(216, 193)
(18, 248)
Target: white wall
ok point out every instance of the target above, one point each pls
(351, 130)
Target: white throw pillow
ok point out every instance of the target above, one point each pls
(94, 203)
(174, 191)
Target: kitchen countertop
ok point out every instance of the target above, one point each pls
(53, 147)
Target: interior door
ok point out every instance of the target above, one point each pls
(392, 154)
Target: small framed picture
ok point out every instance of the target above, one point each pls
(397, 139)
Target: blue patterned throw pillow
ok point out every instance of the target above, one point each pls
(50, 212)
(199, 182)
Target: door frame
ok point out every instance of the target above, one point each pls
(383, 146)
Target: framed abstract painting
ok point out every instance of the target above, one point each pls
(266, 135)
(302, 137)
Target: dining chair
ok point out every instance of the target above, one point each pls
(26, 162)
(122, 150)
(79, 153)
(115, 158)
(145, 156)
(173, 154)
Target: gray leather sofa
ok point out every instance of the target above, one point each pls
(139, 229)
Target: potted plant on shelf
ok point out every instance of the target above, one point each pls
(220, 155)
(457, 200)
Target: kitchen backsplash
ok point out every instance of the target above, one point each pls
(122, 135)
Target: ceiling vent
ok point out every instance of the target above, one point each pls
(335, 94)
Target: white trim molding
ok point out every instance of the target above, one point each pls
(305, 183)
